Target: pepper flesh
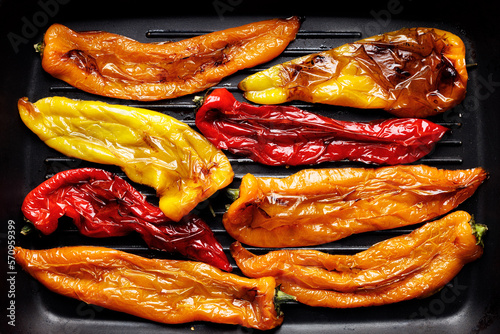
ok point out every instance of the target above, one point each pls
(412, 72)
(401, 268)
(166, 291)
(116, 66)
(102, 204)
(285, 135)
(151, 148)
(317, 206)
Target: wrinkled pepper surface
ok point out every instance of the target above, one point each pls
(412, 72)
(116, 66)
(316, 206)
(410, 266)
(151, 148)
(102, 204)
(285, 135)
(165, 291)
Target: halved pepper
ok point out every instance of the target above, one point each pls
(410, 266)
(412, 72)
(102, 204)
(166, 291)
(116, 66)
(151, 148)
(316, 206)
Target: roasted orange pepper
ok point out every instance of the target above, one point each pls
(160, 290)
(414, 72)
(116, 66)
(317, 206)
(405, 267)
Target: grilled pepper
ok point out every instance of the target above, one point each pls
(414, 72)
(317, 206)
(102, 204)
(166, 291)
(401, 268)
(151, 148)
(285, 135)
(112, 65)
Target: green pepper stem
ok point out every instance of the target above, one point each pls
(479, 231)
(198, 101)
(39, 47)
(233, 193)
(280, 298)
(27, 229)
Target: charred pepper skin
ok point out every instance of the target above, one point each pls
(167, 291)
(151, 148)
(401, 268)
(102, 204)
(316, 206)
(116, 66)
(288, 136)
(412, 72)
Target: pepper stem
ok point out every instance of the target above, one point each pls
(280, 298)
(478, 230)
(233, 193)
(39, 47)
(198, 101)
(27, 229)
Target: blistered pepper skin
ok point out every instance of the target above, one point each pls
(151, 148)
(102, 205)
(316, 206)
(288, 136)
(401, 268)
(412, 72)
(116, 66)
(166, 291)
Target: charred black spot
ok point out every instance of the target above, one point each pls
(449, 73)
(294, 70)
(400, 71)
(378, 48)
(318, 59)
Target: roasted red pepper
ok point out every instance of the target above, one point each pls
(102, 204)
(285, 135)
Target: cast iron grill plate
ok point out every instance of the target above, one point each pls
(462, 147)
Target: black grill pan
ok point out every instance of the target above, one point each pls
(468, 304)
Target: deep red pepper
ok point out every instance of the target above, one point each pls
(102, 204)
(285, 135)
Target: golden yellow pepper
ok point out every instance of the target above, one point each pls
(150, 147)
(414, 72)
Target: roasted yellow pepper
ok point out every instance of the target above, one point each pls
(414, 72)
(150, 147)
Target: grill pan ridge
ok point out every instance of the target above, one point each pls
(468, 304)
